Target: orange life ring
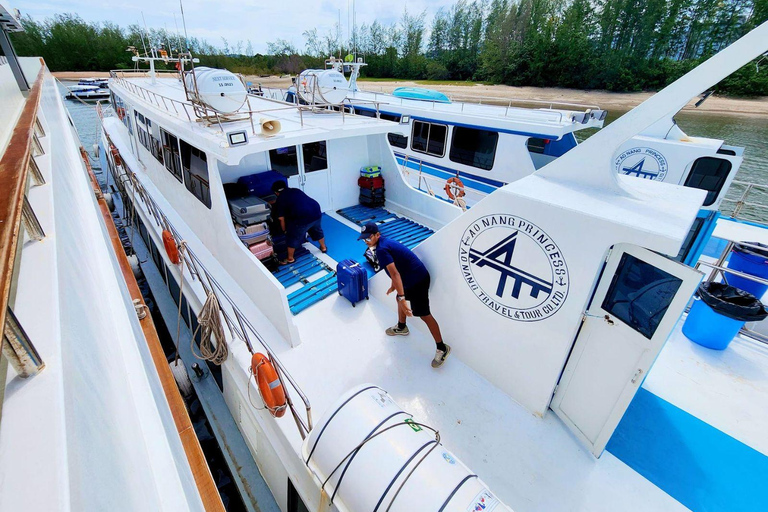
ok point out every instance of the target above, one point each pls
(170, 247)
(449, 185)
(270, 387)
(120, 113)
(116, 155)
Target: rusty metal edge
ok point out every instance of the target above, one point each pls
(14, 166)
(206, 486)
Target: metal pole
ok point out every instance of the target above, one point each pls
(13, 61)
(18, 348)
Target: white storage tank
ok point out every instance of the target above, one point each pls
(218, 88)
(322, 87)
(372, 456)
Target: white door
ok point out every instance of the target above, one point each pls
(638, 300)
(314, 173)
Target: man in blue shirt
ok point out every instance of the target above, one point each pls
(410, 279)
(299, 215)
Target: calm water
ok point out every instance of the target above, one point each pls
(748, 132)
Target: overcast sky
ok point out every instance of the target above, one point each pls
(234, 19)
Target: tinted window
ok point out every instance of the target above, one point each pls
(709, 174)
(315, 156)
(195, 168)
(640, 294)
(397, 140)
(474, 147)
(284, 161)
(536, 145)
(429, 138)
(389, 117)
(366, 113)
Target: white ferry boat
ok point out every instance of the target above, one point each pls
(90, 416)
(557, 292)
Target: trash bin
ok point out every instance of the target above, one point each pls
(752, 261)
(718, 313)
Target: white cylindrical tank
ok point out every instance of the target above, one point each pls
(404, 466)
(322, 86)
(218, 88)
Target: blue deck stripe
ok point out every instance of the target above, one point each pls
(698, 465)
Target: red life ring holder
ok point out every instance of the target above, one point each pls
(170, 247)
(270, 387)
(454, 183)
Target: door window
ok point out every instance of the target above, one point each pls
(285, 161)
(315, 156)
(640, 294)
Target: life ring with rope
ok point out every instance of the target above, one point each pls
(270, 387)
(454, 184)
(115, 155)
(170, 247)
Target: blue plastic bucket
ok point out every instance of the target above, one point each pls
(749, 263)
(709, 328)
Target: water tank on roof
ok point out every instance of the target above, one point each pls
(218, 88)
(322, 87)
(373, 456)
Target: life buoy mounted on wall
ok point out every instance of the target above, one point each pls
(270, 387)
(170, 247)
(115, 155)
(454, 184)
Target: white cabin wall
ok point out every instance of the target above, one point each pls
(11, 104)
(526, 360)
(345, 158)
(250, 164)
(513, 160)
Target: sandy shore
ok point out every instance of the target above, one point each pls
(504, 93)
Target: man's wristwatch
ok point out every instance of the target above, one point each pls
(400, 297)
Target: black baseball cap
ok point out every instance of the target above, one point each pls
(368, 230)
(278, 186)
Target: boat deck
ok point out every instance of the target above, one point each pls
(312, 277)
(535, 463)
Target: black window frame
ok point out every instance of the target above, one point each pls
(712, 194)
(427, 151)
(397, 140)
(456, 131)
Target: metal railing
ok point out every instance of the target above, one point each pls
(738, 210)
(18, 166)
(237, 322)
(427, 180)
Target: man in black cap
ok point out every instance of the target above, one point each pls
(299, 215)
(410, 279)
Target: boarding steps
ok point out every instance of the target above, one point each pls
(405, 231)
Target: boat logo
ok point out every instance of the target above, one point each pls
(513, 267)
(644, 163)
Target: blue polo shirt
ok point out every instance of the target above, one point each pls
(297, 207)
(412, 270)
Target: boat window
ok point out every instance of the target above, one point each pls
(141, 130)
(640, 294)
(429, 138)
(194, 165)
(284, 161)
(536, 145)
(171, 153)
(395, 118)
(397, 140)
(366, 113)
(470, 146)
(709, 174)
(295, 504)
(315, 156)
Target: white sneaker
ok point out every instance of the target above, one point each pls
(441, 356)
(396, 331)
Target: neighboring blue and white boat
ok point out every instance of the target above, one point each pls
(558, 292)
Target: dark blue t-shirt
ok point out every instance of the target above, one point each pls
(297, 207)
(412, 270)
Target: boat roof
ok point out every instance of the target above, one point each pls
(165, 101)
(554, 122)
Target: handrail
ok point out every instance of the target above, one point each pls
(236, 321)
(14, 173)
(742, 201)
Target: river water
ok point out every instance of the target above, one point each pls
(748, 132)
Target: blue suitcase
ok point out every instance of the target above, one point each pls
(352, 279)
(260, 184)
